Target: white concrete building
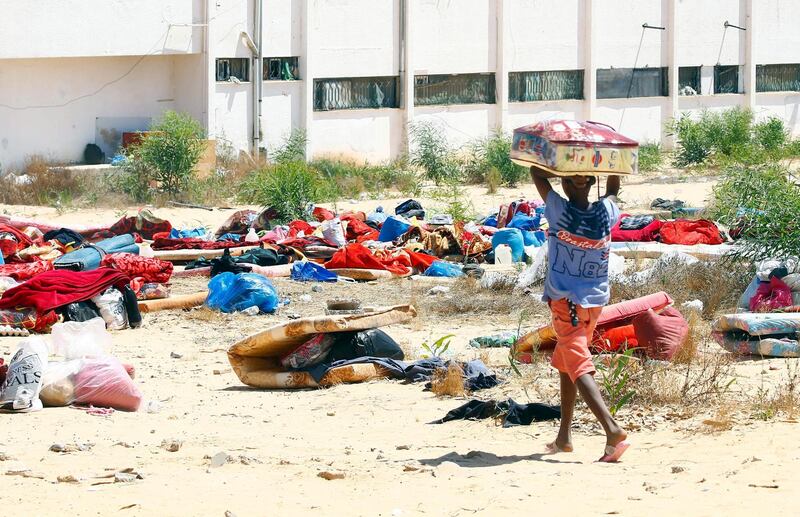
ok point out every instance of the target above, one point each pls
(355, 73)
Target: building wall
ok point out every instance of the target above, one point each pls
(363, 38)
(57, 117)
(78, 28)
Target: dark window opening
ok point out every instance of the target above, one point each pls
(545, 86)
(623, 83)
(689, 80)
(281, 69)
(778, 78)
(355, 93)
(233, 69)
(454, 89)
(726, 79)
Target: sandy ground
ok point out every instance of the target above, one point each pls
(377, 434)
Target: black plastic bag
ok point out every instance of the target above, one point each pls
(80, 311)
(365, 343)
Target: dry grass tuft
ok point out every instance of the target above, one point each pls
(699, 331)
(205, 314)
(467, 298)
(717, 284)
(448, 382)
(782, 399)
(46, 185)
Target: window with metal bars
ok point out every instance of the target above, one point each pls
(548, 85)
(281, 69)
(778, 78)
(233, 69)
(454, 89)
(689, 80)
(726, 79)
(355, 93)
(623, 83)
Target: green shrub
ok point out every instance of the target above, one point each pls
(766, 202)
(292, 149)
(730, 137)
(497, 154)
(650, 157)
(132, 179)
(288, 188)
(432, 153)
(170, 152)
(453, 200)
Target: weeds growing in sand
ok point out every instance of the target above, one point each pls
(783, 399)
(438, 347)
(614, 379)
(448, 382)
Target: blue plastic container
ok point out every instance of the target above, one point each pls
(513, 238)
(393, 228)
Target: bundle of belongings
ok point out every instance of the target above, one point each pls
(64, 295)
(650, 325)
(84, 374)
(770, 328)
(327, 350)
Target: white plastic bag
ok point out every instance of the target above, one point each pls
(112, 308)
(20, 391)
(333, 232)
(78, 339)
(536, 271)
(58, 383)
(6, 283)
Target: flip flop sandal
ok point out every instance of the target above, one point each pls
(613, 453)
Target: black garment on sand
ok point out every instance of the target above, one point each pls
(476, 375)
(236, 265)
(512, 413)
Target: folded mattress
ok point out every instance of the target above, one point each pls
(571, 147)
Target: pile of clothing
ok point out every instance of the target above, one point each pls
(646, 228)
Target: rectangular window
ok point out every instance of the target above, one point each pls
(623, 83)
(281, 69)
(233, 69)
(778, 78)
(726, 79)
(355, 93)
(454, 89)
(551, 85)
(689, 80)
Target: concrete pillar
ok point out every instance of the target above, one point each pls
(407, 76)
(210, 87)
(674, 70)
(589, 73)
(750, 56)
(307, 74)
(503, 65)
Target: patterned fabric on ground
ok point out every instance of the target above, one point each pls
(635, 222)
(148, 269)
(22, 272)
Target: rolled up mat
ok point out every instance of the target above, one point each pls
(185, 301)
(269, 378)
(88, 258)
(281, 271)
(186, 273)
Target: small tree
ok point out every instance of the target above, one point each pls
(171, 151)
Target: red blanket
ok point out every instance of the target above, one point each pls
(22, 272)
(356, 256)
(13, 241)
(647, 234)
(683, 231)
(57, 288)
(148, 269)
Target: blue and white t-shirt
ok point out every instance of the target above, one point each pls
(578, 246)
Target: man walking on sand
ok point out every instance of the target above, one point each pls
(576, 288)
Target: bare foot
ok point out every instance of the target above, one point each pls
(557, 446)
(615, 437)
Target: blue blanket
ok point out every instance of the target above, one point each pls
(88, 257)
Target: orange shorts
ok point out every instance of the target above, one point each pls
(572, 354)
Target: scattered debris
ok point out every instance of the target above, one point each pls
(172, 445)
(330, 476)
(175, 355)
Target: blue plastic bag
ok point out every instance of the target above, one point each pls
(228, 292)
(445, 269)
(305, 271)
(193, 233)
(525, 222)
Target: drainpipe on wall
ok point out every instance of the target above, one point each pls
(258, 76)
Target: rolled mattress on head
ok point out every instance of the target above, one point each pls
(572, 147)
